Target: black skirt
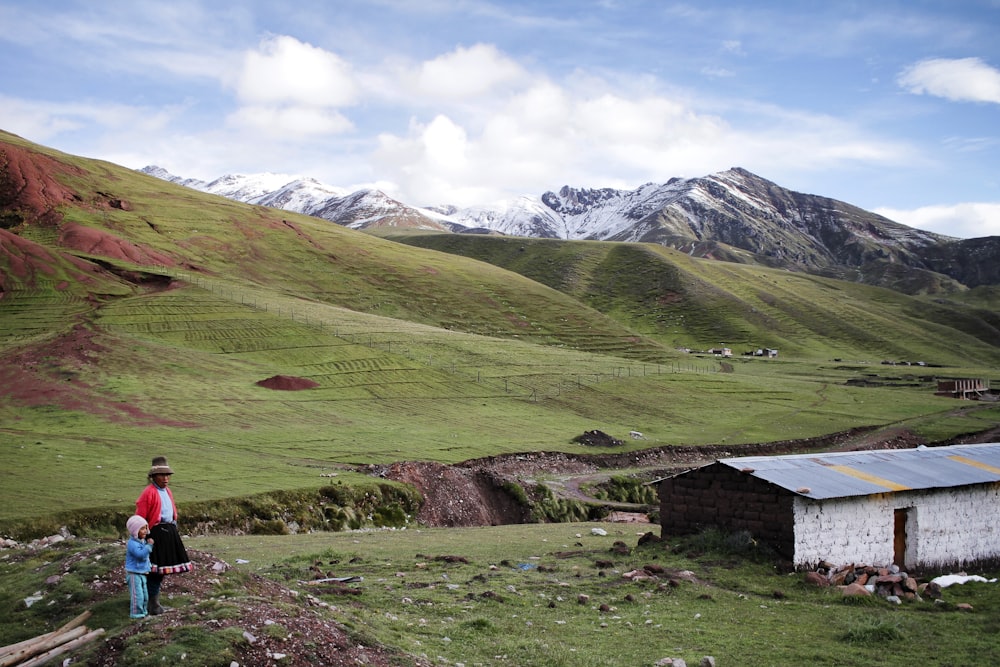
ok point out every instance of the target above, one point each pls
(169, 555)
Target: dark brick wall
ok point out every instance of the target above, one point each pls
(717, 495)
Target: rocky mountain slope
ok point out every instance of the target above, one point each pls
(732, 216)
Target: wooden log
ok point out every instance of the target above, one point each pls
(40, 645)
(39, 660)
(12, 648)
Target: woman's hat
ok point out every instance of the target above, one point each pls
(160, 467)
(134, 523)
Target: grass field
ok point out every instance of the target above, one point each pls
(110, 357)
(128, 331)
(529, 595)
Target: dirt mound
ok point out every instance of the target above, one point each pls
(597, 439)
(456, 495)
(287, 383)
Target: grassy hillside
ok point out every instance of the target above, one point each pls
(137, 318)
(681, 301)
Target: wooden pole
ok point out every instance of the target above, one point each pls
(40, 645)
(68, 646)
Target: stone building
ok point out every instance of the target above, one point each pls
(923, 508)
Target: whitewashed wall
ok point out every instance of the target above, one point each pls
(944, 527)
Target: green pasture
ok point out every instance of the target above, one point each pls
(531, 595)
(176, 372)
(521, 345)
(681, 301)
(542, 594)
(516, 600)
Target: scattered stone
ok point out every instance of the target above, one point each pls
(452, 559)
(621, 548)
(648, 537)
(598, 531)
(816, 579)
(963, 606)
(854, 590)
(582, 598)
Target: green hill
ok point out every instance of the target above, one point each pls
(138, 317)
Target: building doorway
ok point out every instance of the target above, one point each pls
(899, 537)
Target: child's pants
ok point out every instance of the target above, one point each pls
(138, 595)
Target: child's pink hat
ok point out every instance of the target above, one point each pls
(134, 523)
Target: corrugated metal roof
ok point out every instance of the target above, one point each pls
(842, 474)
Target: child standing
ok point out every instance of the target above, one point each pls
(137, 565)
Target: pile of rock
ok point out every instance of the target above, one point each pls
(887, 582)
(40, 543)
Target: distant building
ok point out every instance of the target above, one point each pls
(721, 351)
(929, 507)
(964, 388)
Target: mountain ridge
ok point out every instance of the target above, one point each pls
(733, 215)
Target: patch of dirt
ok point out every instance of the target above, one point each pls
(51, 373)
(105, 244)
(597, 439)
(312, 634)
(29, 191)
(287, 383)
(456, 495)
(26, 261)
(472, 493)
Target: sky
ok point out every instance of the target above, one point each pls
(893, 106)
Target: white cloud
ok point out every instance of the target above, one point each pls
(285, 71)
(959, 80)
(590, 133)
(292, 89)
(293, 122)
(967, 220)
(40, 121)
(466, 73)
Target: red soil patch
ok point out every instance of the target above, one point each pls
(287, 383)
(99, 242)
(24, 260)
(53, 373)
(28, 185)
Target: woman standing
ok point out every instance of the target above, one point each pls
(156, 505)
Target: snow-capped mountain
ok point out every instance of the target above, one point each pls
(733, 215)
(300, 194)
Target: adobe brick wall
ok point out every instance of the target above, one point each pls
(717, 495)
(944, 527)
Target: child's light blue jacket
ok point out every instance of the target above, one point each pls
(137, 556)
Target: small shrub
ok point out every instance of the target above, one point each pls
(390, 515)
(269, 527)
(479, 626)
(722, 543)
(874, 630)
(515, 491)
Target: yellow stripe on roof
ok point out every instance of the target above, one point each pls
(847, 470)
(975, 464)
